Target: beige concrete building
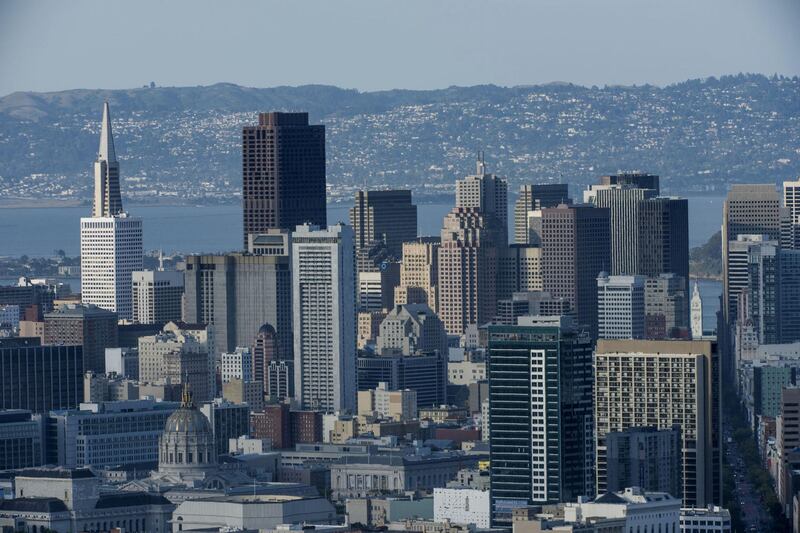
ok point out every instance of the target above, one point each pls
(419, 273)
(395, 404)
(661, 384)
(369, 326)
(177, 356)
(467, 270)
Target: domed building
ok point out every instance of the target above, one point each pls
(186, 448)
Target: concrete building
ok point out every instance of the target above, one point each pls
(711, 519)
(644, 457)
(67, 500)
(423, 372)
(466, 371)
(107, 434)
(280, 380)
(123, 362)
(387, 216)
(227, 420)
(39, 378)
(283, 173)
(641, 180)
(411, 329)
(99, 388)
(383, 402)
(419, 273)
(462, 505)
(533, 197)
(85, 325)
(237, 294)
(111, 240)
(641, 510)
(157, 296)
(467, 270)
(393, 474)
(620, 307)
(178, 355)
(369, 326)
(624, 203)
(489, 195)
(665, 305)
(519, 269)
(250, 392)
(324, 316)
(680, 381)
(251, 513)
(791, 202)
(21, 439)
(575, 249)
(238, 365)
(540, 386)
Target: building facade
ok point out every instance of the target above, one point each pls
(387, 216)
(620, 307)
(85, 325)
(157, 296)
(283, 173)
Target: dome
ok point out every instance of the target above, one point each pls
(266, 329)
(187, 420)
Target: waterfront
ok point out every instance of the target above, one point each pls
(39, 232)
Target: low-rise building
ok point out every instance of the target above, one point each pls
(462, 505)
(21, 439)
(393, 404)
(711, 519)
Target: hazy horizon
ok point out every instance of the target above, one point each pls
(51, 46)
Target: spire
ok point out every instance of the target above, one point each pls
(186, 397)
(106, 151)
(696, 292)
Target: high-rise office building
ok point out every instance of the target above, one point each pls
(791, 202)
(540, 414)
(324, 314)
(665, 315)
(662, 384)
(748, 210)
(620, 307)
(623, 203)
(419, 272)
(237, 365)
(663, 245)
(519, 269)
(283, 173)
(533, 197)
(489, 194)
(157, 296)
(467, 270)
(423, 372)
(21, 439)
(639, 180)
(575, 249)
(26, 295)
(91, 327)
(239, 293)
(387, 216)
(697, 313)
(111, 241)
(264, 350)
(737, 269)
(773, 293)
(39, 378)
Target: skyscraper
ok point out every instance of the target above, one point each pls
(157, 296)
(620, 307)
(419, 273)
(623, 203)
(791, 202)
(663, 245)
(489, 194)
(532, 197)
(387, 216)
(467, 270)
(639, 180)
(324, 314)
(91, 327)
(748, 210)
(540, 413)
(111, 241)
(575, 249)
(283, 173)
(239, 293)
(661, 384)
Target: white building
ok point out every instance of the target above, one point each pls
(466, 372)
(711, 519)
(237, 365)
(642, 511)
(462, 506)
(697, 313)
(620, 307)
(157, 296)
(324, 317)
(111, 241)
(791, 202)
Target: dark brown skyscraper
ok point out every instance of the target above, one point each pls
(283, 173)
(576, 247)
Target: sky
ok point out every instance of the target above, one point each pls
(51, 45)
